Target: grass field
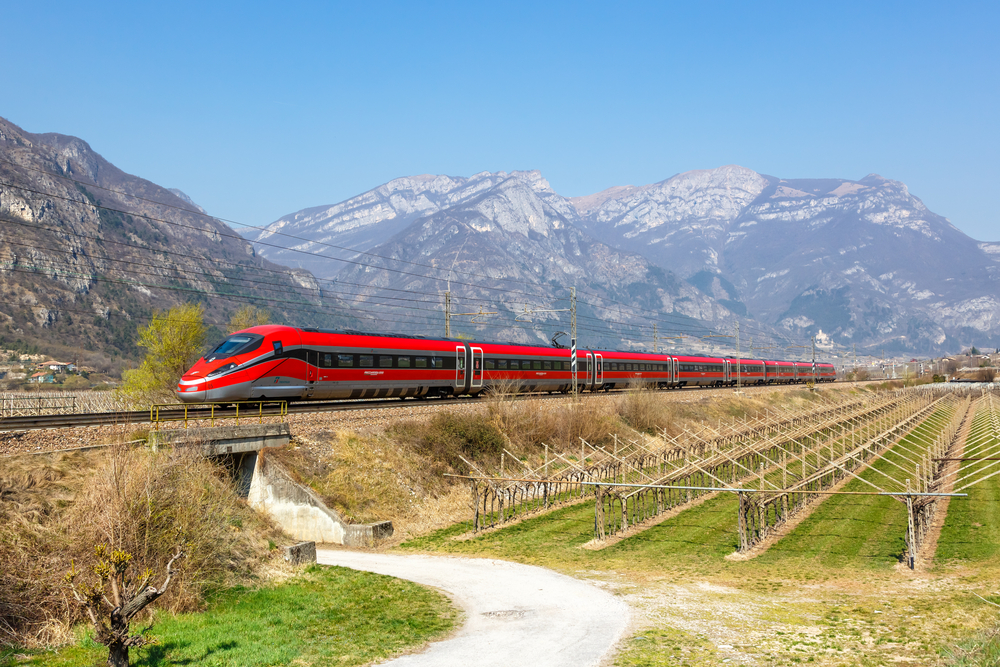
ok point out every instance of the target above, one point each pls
(831, 592)
(327, 615)
(972, 531)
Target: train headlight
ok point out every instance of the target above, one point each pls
(221, 370)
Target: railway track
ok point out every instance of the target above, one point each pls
(34, 422)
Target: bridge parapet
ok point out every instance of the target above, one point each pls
(223, 440)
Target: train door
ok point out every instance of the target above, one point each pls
(589, 370)
(312, 361)
(670, 370)
(598, 370)
(726, 370)
(477, 367)
(460, 367)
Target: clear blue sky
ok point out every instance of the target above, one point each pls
(260, 109)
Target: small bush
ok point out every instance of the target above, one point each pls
(147, 503)
(450, 436)
(642, 408)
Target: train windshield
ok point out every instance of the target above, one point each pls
(237, 344)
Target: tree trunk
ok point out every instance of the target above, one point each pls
(117, 655)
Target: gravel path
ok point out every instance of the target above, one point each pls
(515, 614)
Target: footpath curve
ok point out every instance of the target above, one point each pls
(514, 614)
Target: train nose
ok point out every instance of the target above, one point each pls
(190, 394)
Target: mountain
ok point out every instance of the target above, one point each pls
(362, 222)
(864, 261)
(507, 249)
(87, 252)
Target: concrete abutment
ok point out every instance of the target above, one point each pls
(268, 487)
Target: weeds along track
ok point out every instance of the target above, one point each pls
(43, 410)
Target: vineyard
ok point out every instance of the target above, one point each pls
(779, 464)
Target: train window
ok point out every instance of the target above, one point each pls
(327, 360)
(438, 362)
(404, 362)
(547, 365)
(367, 360)
(501, 364)
(537, 365)
(515, 365)
(490, 364)
(557, 365)
(345, 360)
(421, 362)
(385, 361)
(461, 363)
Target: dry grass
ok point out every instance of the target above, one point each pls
(55, 509)
(528, 424)
(370, 478)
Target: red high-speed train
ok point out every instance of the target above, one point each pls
(280, 362)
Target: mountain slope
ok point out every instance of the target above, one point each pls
(510, 238)
(864, 261)
(362, 222)
(87, 251)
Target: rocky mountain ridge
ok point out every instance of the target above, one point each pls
(87, 251)
(863, 261)
(509, 250)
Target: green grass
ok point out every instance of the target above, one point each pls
(972, 529)
(845, 531)
(327, 615)
(666, 646)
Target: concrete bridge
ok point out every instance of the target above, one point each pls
(268, 487)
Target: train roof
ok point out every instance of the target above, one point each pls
(354, 332)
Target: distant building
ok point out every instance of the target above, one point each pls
(59, 366)
(42, 378)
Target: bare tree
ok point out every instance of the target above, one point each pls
(115, 600)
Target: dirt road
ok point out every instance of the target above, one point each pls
(514, 614)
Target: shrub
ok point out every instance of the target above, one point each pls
(642, 408)
(53, 512)
(447, 437)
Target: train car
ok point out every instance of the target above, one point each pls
(278, 362)
(702, 371)
(804, 372)
(826, 373)
(285, 363)
(622, 369)
(751, 372)
(780, 372)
